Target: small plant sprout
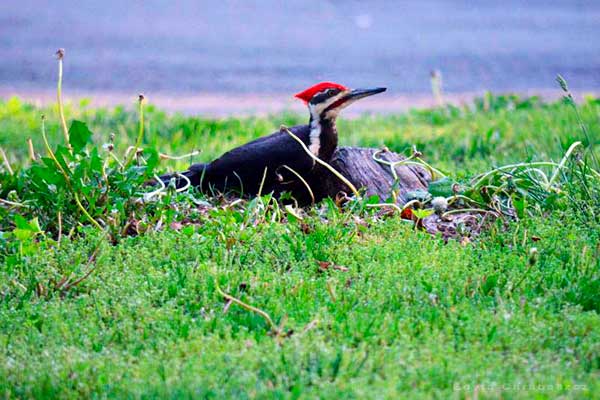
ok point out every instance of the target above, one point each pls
(420, 215)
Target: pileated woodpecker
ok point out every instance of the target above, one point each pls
(243, 168)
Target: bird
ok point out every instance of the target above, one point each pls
(264, 165)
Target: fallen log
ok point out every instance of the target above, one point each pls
(374, 178)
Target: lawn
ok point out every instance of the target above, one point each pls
(362, 306)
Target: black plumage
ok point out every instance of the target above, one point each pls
(242, 169)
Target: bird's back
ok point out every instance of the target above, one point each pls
(243, 167)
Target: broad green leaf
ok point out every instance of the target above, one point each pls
(62, 155)
(489, 284)
(34, 225)
(374, 199)
(96, 162)
(26, 229)
(441, 187)
(22, 234)
(422, 213)
(79, 135)
(49, 175)
(21, 222)
(520, 204)
(293, 215)
(152, 159)
(188, 230)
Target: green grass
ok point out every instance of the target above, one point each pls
(412, 317)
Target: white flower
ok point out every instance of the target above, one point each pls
(439, 204)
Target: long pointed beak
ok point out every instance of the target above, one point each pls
(361, 93)
(352, 96)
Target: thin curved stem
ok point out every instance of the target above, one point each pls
(85, 212)
(431, 169)
(188, 183)
(415, 156)
(140, 136)
(469, 210)
(562, 164)
(323, 163)
(61, 111)
(164, 156)
(12, 203)
(511, 166)
(5, 161)
(262, 182)
(67, 179)
(30, 149)
(455, 197)
(149, 196)
(310, 192)
(247, 307)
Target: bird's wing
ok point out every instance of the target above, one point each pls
(248, 162)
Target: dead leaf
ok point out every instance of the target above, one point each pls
(176, 226)
(407, 213)
(305, 228)
(326, 265)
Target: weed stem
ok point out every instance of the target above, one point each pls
(512, 166)
(140, 136)
(12, 203)
(60, 55)
(30, 149)
(67, 180)
(323, 163)
(262, 182)
(5, 161)
(562, 164)
(176, 158)
(247, 307)
(310, 192)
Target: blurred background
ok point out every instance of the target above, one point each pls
(221, 57)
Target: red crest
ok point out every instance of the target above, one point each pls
(307, 94)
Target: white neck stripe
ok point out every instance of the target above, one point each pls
(315, 136)
(315, 124)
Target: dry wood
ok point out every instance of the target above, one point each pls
(374, 178)
(359, 167)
